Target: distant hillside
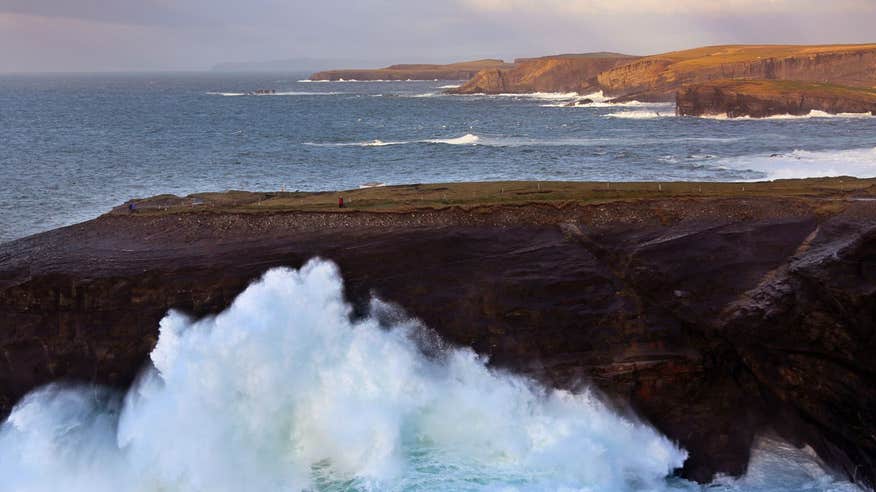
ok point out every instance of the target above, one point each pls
(658, 77)
(453, 71)
(558, 73)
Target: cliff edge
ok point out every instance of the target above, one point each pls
(715, 311)
(453, 71)
(559, 73)
(763, 98)
(658, 77)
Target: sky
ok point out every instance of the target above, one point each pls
(123, 35)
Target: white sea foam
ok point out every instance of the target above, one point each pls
(860, 163)
(467, 139)
(599, 100)
(451, 86)
(777, 466)
(278, 93)
(642, 115)
(812, 114)
(282, 391)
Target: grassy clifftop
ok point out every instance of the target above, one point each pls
(452, 71)
(406, 198)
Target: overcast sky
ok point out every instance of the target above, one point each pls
(97, 35)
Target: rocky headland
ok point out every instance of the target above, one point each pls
(453, 71)
(764, 98)
(832, 78)
(659, 77)
(713, 311)
(559, 73)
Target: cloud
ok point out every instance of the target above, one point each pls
(132, 12)
(682, 7)
(50, 35)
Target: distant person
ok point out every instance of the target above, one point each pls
(340, 202)
(132, 208)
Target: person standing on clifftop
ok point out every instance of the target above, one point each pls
(340, 202)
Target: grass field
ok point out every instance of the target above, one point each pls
(404, 198)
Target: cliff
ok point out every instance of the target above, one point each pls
(658, 77)
(453, 71)
(761, 98)
(560, 73)
(714, 311)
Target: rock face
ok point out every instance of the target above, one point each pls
(560, 73)
(712, 318)
(764, 98)
(453, 71)
(658, 77)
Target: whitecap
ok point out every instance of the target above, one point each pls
(860, 163)
(467, 139)
(810, 115)
(642, 115)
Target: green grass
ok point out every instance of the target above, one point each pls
(487, 195)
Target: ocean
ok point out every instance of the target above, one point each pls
(73, 146)
(282, 391)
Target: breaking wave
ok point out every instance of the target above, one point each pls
(812, 114)
(282, 391)
(599, 100)
(467, 139)
(860, 163)
(643, 115)
(278, 93)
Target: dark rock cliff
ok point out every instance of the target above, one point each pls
(560, 73)
(760, 99)
(659, 76)
(713, 319)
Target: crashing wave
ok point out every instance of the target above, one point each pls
(642, 115)
(812, 114)
(467, 139)
(283, 392)
(860, 163)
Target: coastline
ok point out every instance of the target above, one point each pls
(612, 285)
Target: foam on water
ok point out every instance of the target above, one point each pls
(283, 392)
(467, 139)
(860, 163)
(643, 115)
(599, 100)
(278, 93)
(812, 114)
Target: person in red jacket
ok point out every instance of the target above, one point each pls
(340, 202)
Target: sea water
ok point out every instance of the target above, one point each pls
(73, 146)
(282, 391)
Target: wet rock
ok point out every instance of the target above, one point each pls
(712, 319)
